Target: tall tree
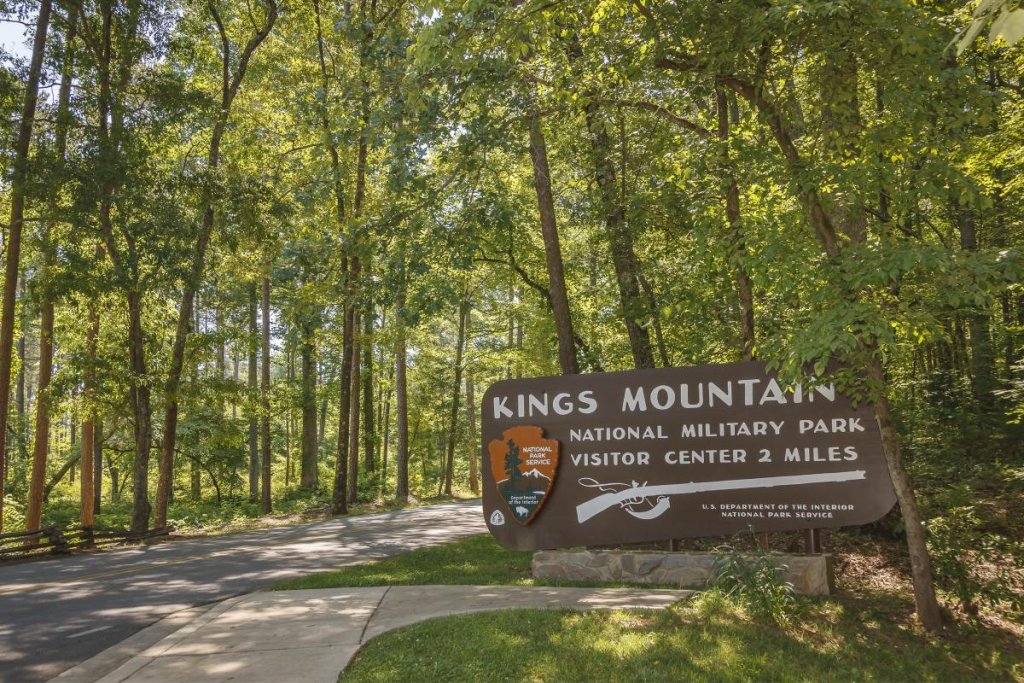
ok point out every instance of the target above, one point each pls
(734, 229)
(19, 181)
(552, 248)
(253, 343)
(453, 421)
(308, 471)
(112, 38)
(92, 446)
(265, 500)
(230, 82)
(839, 224)
(41, 447)
(369, 426)
(628, 276)
(472, 442)
(339, 495)
(401, 389)
(353, 417)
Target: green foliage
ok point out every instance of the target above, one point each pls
(755, 581)
(975, 566)
(1002, 19)
(915, 156)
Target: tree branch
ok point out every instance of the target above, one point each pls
(664, 113)
(251, 46)
(225, 52)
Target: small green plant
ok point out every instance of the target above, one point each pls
(977, 567)
(754, 581)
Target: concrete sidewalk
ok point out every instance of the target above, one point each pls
(311, 635)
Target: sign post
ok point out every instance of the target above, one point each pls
(648, 455)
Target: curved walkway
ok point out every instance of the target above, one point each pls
(311, 635)
(59, 612)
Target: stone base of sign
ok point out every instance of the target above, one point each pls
(809, 574)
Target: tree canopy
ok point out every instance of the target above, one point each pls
(272, 250)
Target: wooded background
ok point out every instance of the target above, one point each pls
(274, 251)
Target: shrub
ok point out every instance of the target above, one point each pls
(754, 580)
(977, 567)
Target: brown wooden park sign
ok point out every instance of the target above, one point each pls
(648, 455)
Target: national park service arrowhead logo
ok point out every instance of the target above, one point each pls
(524, 463)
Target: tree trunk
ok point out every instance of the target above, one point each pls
(265, 401)
(920, 564)
(365, 373)
(234, 376)
(254, 459)
(355, 290)
(339, 495)
(19, 391)
(552, 249)
(115, 483)
(339, 492)
(68, 466)
(472, 443)
(982, 356)
(139, 397)
(114, 73)
(510, 342)
(20, 432)
(92, 469)
(401, 395)
(737, 245)
(453, 424)
(195, 481)
(369, 428)
(42, 439)
(88, 496)
(19, 179)
(97, 467)
(222, 351)
(627, 268)
(385, 425)
(353, 441)
(195, 471)
(288, 420)
(41, 447)
(308, 475)
(322, 428)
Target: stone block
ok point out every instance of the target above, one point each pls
(809, 574)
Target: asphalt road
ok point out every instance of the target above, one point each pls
(57, 613)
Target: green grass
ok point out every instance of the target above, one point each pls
(867, 636)
(705, 639)
(474, 561)
(477, 560)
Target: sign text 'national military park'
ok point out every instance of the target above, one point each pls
(648, 455)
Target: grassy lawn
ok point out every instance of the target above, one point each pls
(474, 561)
(866, 633)
(704, 639)
(477, 560)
